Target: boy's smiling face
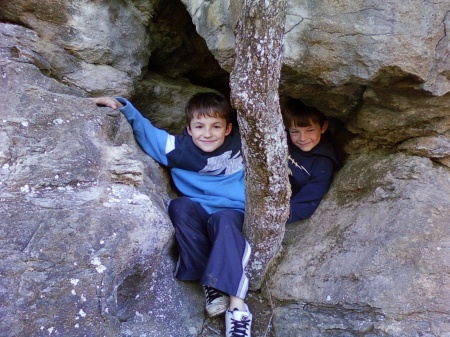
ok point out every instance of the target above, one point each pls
(307, 137)
(207, 132)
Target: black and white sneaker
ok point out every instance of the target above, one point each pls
(216, 302)
(238, 323)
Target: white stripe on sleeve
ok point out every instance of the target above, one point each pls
(170, 143)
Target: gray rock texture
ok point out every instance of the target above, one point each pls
(86, 245)
(375, 260)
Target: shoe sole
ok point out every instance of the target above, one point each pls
(216, 313)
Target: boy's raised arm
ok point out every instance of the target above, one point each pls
(107, 101)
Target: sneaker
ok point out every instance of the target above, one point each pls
(216, 302)
(238, 323)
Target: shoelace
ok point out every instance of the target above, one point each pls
(239, 328)
(211, 294)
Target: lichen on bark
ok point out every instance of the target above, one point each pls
(254, 93)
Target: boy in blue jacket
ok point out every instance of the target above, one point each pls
(312, 158)
(207, 168)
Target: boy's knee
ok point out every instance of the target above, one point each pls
(227, 218)
(180, 202)
(178, 205)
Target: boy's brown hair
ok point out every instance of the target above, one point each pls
(297, 114)
(208, 104)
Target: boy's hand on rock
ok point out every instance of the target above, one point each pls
(107, 101)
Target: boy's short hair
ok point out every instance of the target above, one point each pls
(297, 114)
(208, 104)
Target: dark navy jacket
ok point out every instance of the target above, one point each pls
(311, 174)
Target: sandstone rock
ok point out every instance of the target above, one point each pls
(74, 224)
(374, 260)
(431, 147)
(391, 116)
(384, 38)
(215, 22)
(163, 100)
(332, 45)
(83, 43)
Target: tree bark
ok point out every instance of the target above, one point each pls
(254, 93)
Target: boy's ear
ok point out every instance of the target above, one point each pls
(188, 128)
(229, 128)
(324, 127)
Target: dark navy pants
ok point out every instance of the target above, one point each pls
(212, 247)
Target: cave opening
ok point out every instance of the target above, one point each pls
(180, 52)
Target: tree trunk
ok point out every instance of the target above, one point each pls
(254, 93)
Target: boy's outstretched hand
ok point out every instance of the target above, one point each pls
(107, 101)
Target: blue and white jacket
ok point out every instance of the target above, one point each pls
(311, 174)
(213, 179)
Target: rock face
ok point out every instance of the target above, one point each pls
(82, 213)
(86, 244)
(370, 263)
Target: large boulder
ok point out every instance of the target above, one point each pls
(82, 214)
(335, 50)
(83, 44)
(374, 260)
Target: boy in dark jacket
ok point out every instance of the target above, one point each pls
(207, 168)
(312, 158)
